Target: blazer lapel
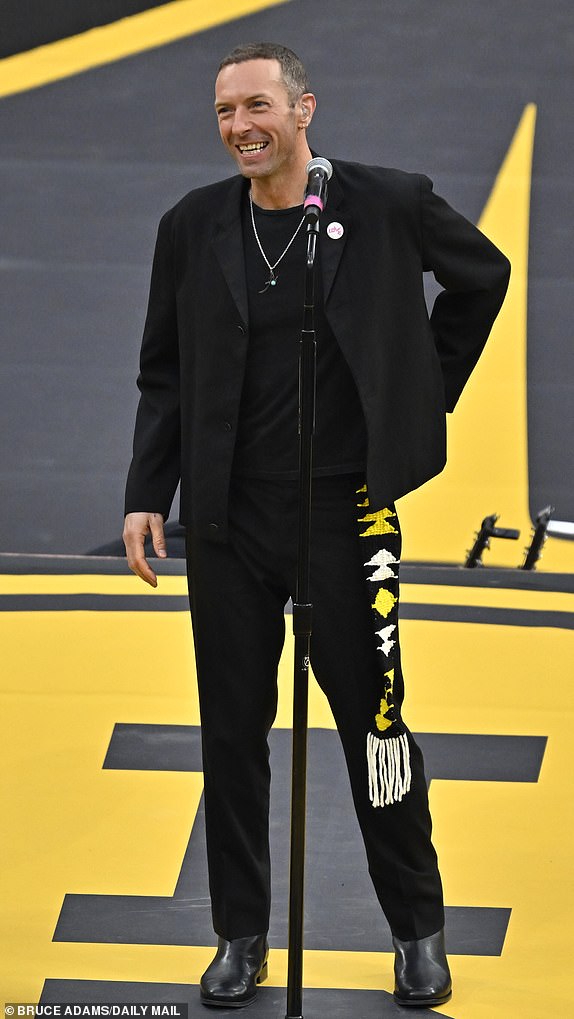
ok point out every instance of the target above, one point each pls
(333, 238)
(228, 246)
(228, 241)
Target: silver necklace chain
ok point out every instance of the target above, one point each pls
(273, 277)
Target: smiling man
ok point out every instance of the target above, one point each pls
(262, 120)
(218, 411)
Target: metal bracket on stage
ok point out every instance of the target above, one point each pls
(487, 531)
(539, 535)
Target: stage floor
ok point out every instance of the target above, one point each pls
(105, 886)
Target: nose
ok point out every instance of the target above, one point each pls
(241, 120)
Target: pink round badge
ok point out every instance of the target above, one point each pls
(335, 231)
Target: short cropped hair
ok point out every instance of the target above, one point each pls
(293, 73)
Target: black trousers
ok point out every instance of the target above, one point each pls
(238, 592)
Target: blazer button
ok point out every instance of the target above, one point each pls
(241, 329)
(228, 426)
(214, 528)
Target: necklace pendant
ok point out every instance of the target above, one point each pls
(271, 282)
(273, 278)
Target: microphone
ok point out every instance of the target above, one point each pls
(319, 171)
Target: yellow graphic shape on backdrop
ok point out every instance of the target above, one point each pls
(124, 38)
(487, 470)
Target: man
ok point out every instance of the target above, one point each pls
(218, 410)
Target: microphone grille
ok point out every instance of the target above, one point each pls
(319, 163)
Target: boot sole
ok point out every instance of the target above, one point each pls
(423, 1002)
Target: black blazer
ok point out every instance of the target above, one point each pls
(408, 370)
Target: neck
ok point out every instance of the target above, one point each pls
(282, 191)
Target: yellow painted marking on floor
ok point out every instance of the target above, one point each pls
(70, 826)
(487, 470)
(489, 679)
(506, 598)
(14, 584)
(509, 844)
(124, 38)
(103, 654)
(170, 586)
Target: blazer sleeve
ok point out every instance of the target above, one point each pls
(474, 274)
(155, 468)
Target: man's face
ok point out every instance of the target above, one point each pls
(258, 126)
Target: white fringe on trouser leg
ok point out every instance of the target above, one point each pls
(389, 763)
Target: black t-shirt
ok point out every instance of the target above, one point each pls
(267, 439)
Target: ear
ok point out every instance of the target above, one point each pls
(307, 105)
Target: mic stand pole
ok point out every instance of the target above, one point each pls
(302, 625)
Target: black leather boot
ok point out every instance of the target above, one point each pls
(422, 976)
(230, 981)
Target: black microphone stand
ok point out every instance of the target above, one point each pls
(302, 626)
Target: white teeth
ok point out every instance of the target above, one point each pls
(252, 147)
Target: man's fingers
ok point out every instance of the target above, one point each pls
(140, 566)
(136, 526)
(157, 535)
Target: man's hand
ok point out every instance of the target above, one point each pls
(136, 526)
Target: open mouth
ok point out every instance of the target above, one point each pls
(252, 147)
